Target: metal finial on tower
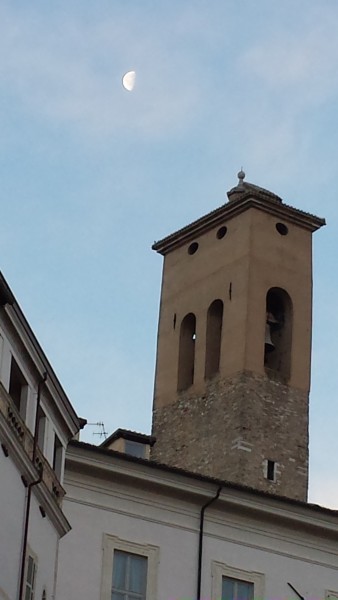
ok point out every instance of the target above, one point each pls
(241, 176)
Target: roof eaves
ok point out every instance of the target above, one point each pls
(248, 199)
(207, 479)
(127, 434)
(8, 300)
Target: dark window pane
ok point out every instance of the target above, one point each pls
(119, 570)
(137, 574)
(30, 569)
(118, 596)
(129, 580)
(236, 589)
(244, 590)
(227, 589)
(16, 384)
(134, 449)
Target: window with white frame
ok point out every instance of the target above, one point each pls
(229, 583)
(129, 570)
(30, 578)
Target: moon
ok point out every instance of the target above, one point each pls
(128, 81)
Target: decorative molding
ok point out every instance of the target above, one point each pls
(41, 363)
(296, 514)
(27, 470)
(219, 570)
(111, 543)
(250, 199)
(227, 523)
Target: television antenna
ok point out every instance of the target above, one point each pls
(102, 431)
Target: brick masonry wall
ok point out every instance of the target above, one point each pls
(231, 430)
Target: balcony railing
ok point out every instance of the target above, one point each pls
(25, 438)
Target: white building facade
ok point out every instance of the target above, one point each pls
(36, 423)
(139, 531)
(230, 404)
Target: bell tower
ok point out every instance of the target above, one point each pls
(234, 344)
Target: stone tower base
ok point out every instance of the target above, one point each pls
(247, 413)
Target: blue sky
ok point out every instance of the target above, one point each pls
(91, 175)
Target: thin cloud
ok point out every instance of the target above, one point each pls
(303, 61)
(72, 73)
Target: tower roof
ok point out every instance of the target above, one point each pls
(240, 198)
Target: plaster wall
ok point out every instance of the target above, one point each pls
(280, 556)
(95, 511)
(118, 445)
(43, 542)
(190, 283)
(12, 503)
(239, 269)
(10, 346)
(42, 536)
(283, 261)
(144, 516)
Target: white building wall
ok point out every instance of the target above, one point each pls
(80, 558)
(42, 535)
(281, 555)
(12, 502)
(294, 557)
(43, 541)
(17, 429)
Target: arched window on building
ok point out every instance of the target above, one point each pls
(278, 334)
(186, 356)
(213, 338)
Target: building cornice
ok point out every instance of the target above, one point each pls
(53, 511)
(116, 466)
(18, 446)
(29, 473)
(250, 198)
(37, 355)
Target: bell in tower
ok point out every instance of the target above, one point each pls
(234, 341)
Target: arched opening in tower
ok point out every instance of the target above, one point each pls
(213, 338)
(278, 334)
(186, 355)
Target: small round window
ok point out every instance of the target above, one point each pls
(221, 232)
(193, 248)
(282, 229)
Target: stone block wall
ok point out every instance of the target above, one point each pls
(232, 430)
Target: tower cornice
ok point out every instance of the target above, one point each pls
(240, 200)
